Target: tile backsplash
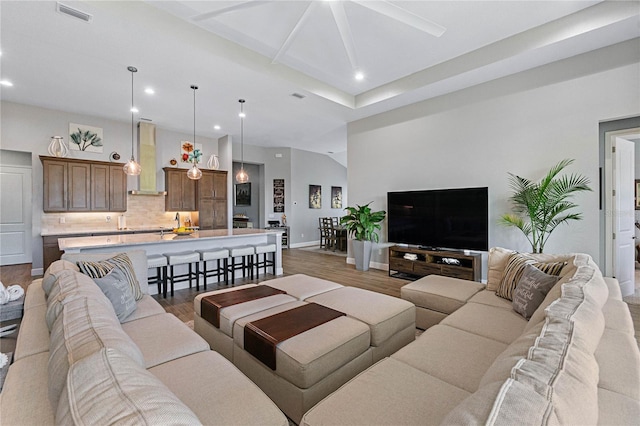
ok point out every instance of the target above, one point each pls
(143, 211)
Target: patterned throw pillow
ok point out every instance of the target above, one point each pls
(531, 290)
(514, 269)
(117, 289)
(101, 268)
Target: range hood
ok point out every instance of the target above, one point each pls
(147, 154)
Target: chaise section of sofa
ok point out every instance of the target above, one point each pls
(77, 363)
(574, 362)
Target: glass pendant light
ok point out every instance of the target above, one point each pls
(194, 172)
(132, 168)
(242, 176)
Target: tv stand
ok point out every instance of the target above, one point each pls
(430, 262)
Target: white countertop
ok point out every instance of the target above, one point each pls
(76, 231)
(98, 241)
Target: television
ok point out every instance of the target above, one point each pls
(440, 218)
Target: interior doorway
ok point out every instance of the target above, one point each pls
(619, 182)
(15, 208)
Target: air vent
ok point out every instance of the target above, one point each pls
(67, 10)
(145, 119)
(298, 95)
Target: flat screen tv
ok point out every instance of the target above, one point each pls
(441, 218)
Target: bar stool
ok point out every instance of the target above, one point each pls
(246, 252)
(216, 254)
(159, 262)
(184, 258)
(264, 250)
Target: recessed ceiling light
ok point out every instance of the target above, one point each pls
(359, 76)
(216, 127)
(242, 115)
(149, 91)
(6, 83)
(134, 109)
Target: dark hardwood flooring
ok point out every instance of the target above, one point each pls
(296, 261)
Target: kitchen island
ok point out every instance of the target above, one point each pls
(168, 242)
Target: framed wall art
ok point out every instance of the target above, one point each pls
(315, 197)
(336, 197)
(243, 194)
(278, 195)
(85, 138)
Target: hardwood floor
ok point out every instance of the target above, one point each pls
(296, 261)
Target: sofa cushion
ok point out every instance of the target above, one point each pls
(138, 259)
(71, 285)
(617, 316)
(84, 327)
(109, 388)
(51, 274)
(506, 403)
(217, 392)
(25, 400)
(487, 297)
(619, 361)
(531, 290)
(116, 287)
(302, 286)
(614, 288)
(439, 293)
(146, 307)
(34, 295)
(33, 337)
(454, 356)
(179, 339)
(494, 323)
(100, 268)
(411, 397)
(497, 261)
(385, 315)
(616, 409)
(514, 269)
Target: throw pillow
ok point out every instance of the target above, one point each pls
(101, 268)
(531, 290)
(498, 258)
(117, 289)
(514, 269)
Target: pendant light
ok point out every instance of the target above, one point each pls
(242, 176)
(194, 172)
(132, 168)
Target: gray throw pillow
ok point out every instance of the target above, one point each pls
(531, 290)
(117, 289)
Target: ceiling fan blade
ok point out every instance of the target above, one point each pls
(294, 32)
(403, 15)
(239, 6)
(345, 31)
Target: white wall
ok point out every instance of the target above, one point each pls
(472, 138)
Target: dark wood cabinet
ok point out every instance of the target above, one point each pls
(212, 199)
(72, 185)
(50, 250)
(181, 191)
(422, 262)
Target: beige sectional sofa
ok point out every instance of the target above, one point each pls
(75, 363)
(575, 362)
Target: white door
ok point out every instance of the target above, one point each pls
(15, 215)
(623, 157)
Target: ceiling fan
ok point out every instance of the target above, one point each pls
(382, 7)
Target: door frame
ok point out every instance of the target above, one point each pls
(623, 125)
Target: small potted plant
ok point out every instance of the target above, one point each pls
(362, 225)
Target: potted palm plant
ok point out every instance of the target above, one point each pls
(362, 225)
(539, 207)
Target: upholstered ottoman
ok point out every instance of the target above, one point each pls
(436, 296)
(310, 365)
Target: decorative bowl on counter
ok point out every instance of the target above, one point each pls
(182, 231)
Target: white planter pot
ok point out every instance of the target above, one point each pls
(362, 254)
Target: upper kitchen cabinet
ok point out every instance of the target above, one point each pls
(71, 185)
(212, 199)
(181, 191)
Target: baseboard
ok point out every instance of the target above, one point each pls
(374, 265)
(306, 244)
(36, 272)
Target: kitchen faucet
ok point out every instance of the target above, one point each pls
(177, 219)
